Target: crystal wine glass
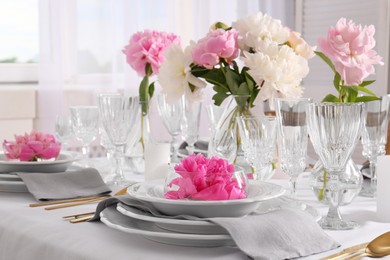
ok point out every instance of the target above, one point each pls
(85, 124)
(258, 136)
(171, 114)
(190, 123)
(292, 136)
(214, 114)
(374, 138)
(334, 129)
(118, 114)
(63, 130)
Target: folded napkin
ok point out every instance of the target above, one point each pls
(64, 185)
(280, 234)
(200, 145)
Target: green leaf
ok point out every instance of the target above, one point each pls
(330, 98)
(352, 94)
(366, 83)
(326, 59)
(219, 97)
(365, 90)
(337, 81)
(151, 90)
(366, 99)
(233, 81)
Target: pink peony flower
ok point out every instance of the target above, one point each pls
(31, 147)
(300, 46)
(350, 48)
(216, 45)
(202, 178)
(148, 47)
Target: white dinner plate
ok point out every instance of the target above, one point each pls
(172, 224)
(205, 227)
(63, 161)
(154, 193)
(114, 219)
(12, 183)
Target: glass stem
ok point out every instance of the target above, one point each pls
(293, 186)
(373, 175)
(85, 151)
(174, 148)
(190, 148)
(334, 197)
(119, 156)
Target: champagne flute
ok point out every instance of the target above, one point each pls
(292, 136)
(374, 138)
(85, 124)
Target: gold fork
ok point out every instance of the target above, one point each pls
(88, 215)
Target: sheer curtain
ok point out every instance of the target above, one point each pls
(81, 43)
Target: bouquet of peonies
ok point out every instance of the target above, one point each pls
(32, 147)
(348, 50)
(202, 178)
(255, 57)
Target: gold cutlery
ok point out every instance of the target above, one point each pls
(48, 203)
(378, 247)
(79, 215)
(76, 217)
(346, 252)
(67, 205)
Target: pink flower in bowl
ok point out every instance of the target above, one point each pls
(201, 178)
(32, 147)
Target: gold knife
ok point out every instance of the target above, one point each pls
(345, 252)
(79, 220)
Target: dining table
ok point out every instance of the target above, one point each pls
(34, 233)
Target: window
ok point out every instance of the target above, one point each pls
(19, 36)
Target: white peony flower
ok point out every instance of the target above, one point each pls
(277, 69)
(175, 74)
(257, 28)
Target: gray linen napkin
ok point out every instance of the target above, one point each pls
(64, 185)
(280, 234)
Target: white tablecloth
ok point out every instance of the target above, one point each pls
(33, 233)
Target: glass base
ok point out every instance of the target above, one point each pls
(117, 181)
(368, 190)
(368, 193)
(337, 224)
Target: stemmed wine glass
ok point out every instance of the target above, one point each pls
(214, 114)
(63, 130)
(258, 136)
(292, 136)
(171, 114)
(118, 115)
(374, 138)
(334, 129)
(85, 124)
(190, 123)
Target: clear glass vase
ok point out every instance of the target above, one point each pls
(141, 136)
(351, 179)
(226, 141)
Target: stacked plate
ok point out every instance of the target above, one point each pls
(10, 182)
(191, 229)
